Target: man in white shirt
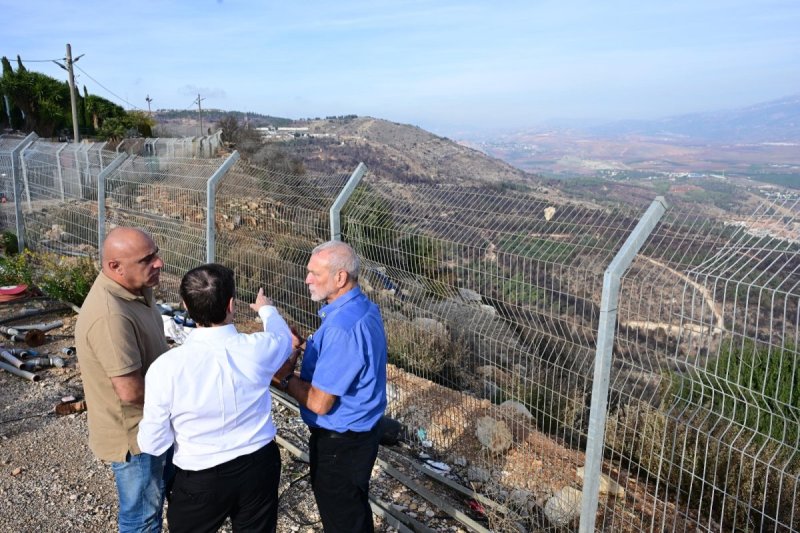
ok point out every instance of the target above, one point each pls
(210, 396)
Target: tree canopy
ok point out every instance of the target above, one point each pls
(41, 104)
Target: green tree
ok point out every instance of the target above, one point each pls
(755, 385)
(43, 100)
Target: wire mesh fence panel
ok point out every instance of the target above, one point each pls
(8, 217)
(167, 198)
(163, 148)
(490, 302)
(94, 154)
(268, 222)
(41, 170)
(61, 216)
(133, 146)
(202, 147)
(706, 381)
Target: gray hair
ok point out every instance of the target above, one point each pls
(342, 257)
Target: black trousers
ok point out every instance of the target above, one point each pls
(341, 465)
(244, 489)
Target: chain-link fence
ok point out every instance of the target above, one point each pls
(574, 365)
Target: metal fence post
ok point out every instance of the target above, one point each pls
(85, 149)
(100, 152)
(211, 201)
(59, 173)
(101, 200)
(24, 169)
(602, 362)
(15, 171)
(338, 204)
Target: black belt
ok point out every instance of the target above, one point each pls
(349, 434)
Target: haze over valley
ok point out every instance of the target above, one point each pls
(760, 142)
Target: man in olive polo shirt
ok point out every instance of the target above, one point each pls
(119, 333)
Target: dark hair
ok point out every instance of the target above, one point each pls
(206, 291)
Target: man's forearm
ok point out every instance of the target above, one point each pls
(130, 387)
(310, 397)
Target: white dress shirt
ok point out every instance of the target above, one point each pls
(210, 396)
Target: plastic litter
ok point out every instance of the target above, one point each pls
(422, 435)
(437, 466)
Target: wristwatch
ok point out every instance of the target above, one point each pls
(284, 384)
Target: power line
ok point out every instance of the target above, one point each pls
(109, 90)
(38, 60)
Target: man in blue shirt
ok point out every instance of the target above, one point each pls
(341, 389)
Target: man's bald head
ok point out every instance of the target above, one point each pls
(130, 258)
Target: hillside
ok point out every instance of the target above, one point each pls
(397, 152)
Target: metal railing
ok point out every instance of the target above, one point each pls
(582, 367)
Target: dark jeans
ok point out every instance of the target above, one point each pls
(341, 464)
(245, 488)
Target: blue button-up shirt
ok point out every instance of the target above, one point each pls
(346, 357)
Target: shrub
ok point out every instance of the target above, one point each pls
(8, 243)
(60, 277)
(426, 351)
(15, 270)
(65, 278)
(732, 427)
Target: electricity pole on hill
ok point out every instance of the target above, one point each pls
(200, 112)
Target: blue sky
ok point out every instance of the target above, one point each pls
(447, 66)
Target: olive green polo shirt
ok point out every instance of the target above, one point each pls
(117, 332)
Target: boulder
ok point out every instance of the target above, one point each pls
(493, 434)
(563, 507)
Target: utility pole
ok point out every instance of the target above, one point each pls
(68, 68)
(200, 112)
(148, 100)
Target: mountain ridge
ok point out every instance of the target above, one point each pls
(773, 120)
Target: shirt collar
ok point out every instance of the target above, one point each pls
(212, 334)
(327, 310)
(121, 292)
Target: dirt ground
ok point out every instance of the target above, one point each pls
(51, 482)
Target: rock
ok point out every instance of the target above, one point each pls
(497, 375)
(469, 295)
(55, 233)
(608, 486)
(491, 391)
(520, 497)
(563, 507)
(478, 474)
(549, 212)
(517, 407)
(430, 325)
(493, 434)
(17, 471)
